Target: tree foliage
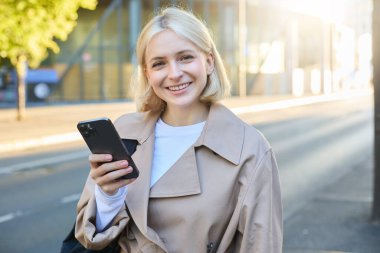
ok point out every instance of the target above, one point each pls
(30, 27)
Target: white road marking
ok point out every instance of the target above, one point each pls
(70, 198)
(42, 162)
(10, 216)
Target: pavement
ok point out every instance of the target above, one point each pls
(336, 220)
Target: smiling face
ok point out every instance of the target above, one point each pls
(177, 70)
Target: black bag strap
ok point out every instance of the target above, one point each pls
(71, 245)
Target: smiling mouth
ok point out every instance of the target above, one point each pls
(179, 87)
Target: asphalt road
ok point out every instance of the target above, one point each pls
(315, 145)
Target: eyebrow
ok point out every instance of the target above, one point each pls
(178, 53)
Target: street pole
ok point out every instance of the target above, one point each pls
(135, 10)
(242, 48)
(376, 85)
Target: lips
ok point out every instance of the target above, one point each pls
(179, 87)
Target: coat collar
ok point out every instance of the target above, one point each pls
(223, 132)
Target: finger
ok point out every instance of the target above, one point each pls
(99, 158)
(112, 168)
(113, 175)
(97, 171)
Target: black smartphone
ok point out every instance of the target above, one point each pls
(101, 137)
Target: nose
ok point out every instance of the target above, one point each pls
(175, 71)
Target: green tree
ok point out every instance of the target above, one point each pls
(28, 30)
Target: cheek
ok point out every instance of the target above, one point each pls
(201, 74)
(155, 78)
(155, 87)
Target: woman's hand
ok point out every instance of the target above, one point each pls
(107, 174)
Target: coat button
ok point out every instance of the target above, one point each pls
(210, 247)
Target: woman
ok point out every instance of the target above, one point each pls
(208, 182)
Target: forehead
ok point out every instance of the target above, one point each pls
(167, 43)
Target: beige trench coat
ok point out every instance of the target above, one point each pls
(222, 195)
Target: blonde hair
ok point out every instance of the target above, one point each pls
(186, 25)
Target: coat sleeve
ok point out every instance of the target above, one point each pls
(260, 227)
(85, 228)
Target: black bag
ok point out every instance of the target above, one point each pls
(72, 245)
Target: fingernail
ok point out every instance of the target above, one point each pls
(124, 163)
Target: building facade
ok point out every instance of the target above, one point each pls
(268, 46)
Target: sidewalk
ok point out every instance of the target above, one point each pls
(337, 220)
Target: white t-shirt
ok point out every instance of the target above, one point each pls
(170, 144)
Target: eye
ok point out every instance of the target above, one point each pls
(186, 58)
(157, 64)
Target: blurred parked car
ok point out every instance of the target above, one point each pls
(39, 84)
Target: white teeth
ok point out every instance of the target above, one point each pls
(179, 87)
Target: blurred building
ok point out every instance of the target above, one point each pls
(268, 46)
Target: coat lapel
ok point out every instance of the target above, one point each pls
(138, 192)
(181, 179)
(141, 128)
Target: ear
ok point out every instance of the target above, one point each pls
(209, 63)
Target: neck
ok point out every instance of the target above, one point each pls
(184, 116)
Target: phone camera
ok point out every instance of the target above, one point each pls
(87, 130)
